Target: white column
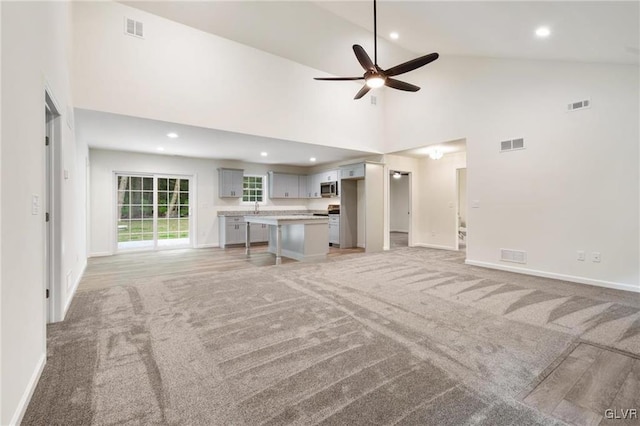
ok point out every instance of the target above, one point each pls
(278, 244)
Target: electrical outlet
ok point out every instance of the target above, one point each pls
(581, 255)
(595, 256)
(433, 233)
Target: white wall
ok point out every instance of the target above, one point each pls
(399, 204)
(104, 164)
(31, 61)
(179, 74)
(575, 186)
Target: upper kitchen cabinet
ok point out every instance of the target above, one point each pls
(283, 185)
(303, 186)
(329, 176)
(352, 171)
(230, 183)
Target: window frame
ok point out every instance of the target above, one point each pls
(263, 189)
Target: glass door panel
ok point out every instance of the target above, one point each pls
(153, 211)
(135, 212)
(174, 222)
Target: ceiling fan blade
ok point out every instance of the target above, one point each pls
(363, 58)
(362, 92)
(411, 65)
(400, 85)
(338, 78)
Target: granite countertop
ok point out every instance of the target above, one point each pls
(289, 217)
(269, 212)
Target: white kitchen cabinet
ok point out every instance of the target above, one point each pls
(313, 185)
(352, 171)
(230, 183)
(334, 230)
(329, 176)
(283, 185)
(302, 187)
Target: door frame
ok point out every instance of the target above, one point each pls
(155, 176)
(387, 222)
(457, 227)
(52, 204)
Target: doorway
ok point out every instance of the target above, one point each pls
(399, 209)
(153, 212)
(51, 211)
(462, 208)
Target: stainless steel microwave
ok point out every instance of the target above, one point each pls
(329, 189)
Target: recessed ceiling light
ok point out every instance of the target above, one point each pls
(264, 154)
(397, 175)
(543, 32)
(160, 148)
(312, 159)
(172, 135)
(394, 35)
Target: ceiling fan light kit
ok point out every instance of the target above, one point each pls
(374, 76)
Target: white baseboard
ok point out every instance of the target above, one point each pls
(28, 392)
(556, 276)
(434, 246)
(208, 245)
(73, 290)
(101, 254)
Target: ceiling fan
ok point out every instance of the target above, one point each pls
(374, 76)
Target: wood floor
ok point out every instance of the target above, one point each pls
(591, 386)
(122, 268)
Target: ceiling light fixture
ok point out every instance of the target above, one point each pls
(436, 154)
(394, 35)
(397, 175)
(312, 159)
(375, 81)
(172, 135)
(160, 148)
(263, 154)
(543, 32)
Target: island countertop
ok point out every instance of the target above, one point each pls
(286, 219)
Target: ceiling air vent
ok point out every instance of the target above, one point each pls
(133, 28)
(579, 105)
(516, 256)
(512, 144)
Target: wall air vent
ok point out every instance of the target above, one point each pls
(579, 105)
(516, 256)
(133, 28)
(512, 144)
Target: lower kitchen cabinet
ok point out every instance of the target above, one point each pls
(233, 230)
(334, 230)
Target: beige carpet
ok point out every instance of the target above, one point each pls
(411, 336)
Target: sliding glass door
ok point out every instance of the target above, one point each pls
(153, 211)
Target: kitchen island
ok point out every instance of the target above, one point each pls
(301, 237)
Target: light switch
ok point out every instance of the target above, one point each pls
(475, 204)
(35, 204)
(66, 174)
(595, 256)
